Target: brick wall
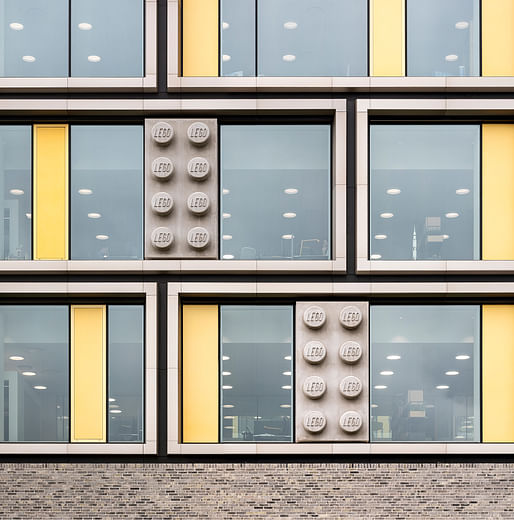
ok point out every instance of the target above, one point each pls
(378, 491)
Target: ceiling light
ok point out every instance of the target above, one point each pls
(28, 59)
(291, 191)
(226, 387)
(85, 191)
(225, 358)
(228, 406)
(288, 358)
(16, 191)
(460, 357)
(228, 416)
(257, 417)
(287, 237)
(286, 373)
(94, 59)
(227, 237)
(380, 387)
(289, 215)
(394, 357)
(451, 57)
(289, 57)
(84, 26)
(28, 215)
(94, 215)
(115, 411)
(228, 427)
(226, 373)
(290, 25)
(442, 387)
(462, 191)
(375, 256)
(386, 373)
(452, 373)
(102, 237)
(374, 406)
(225, 25)
(40, 387)
(461, 25)
(28, 373)
(16, 26)
(452, 215)
(380, 237)
(286, 387)
(226, 191)
(445, 237)
(393, 191)
(285, 406)
(226, 215)
(386, 215)
(228, 257)
(17, 358)
(112, 400)
(226, 57)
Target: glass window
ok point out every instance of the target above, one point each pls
(106, 192)
(312, 37)
(126, 348)
(424, 192)
(107, 38)
(15, 192)
(443, 38)
(34, 404)
(256, 373)
(34, 36)
(425, 373)
(275, 192)
(237, 36)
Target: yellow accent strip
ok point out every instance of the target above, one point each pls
(200, 38)
(497, 192)
(387, 35)
(497, 38)
(497, 370)
(200, 373)
(50, 192)
(88, 373)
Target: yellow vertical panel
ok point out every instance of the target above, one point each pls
(200, 38)
(498, 192)
(387, 34)
(200, 373)
(88, 373)
(498, 373)
(497, 38)
(50, 192)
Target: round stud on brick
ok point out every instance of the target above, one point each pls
(314, 317)
(198, 203)
(314, 387)
(314, 352)
(350, 317)
(161, 238)
(162, 133)
(162, 203)
(198, 133)
(350, 352)
(350, 422)
(162, 168)
(314, 421)
(198, 168)
(350, 387)
(198, 237)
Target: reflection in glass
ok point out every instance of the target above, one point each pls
(424, 192)
(237, 37)
(443, 38)
(312, 37)
(256, 373)
(15, 192)
(34, 403)
(106, 192)
(421, 391)
(125, 354)
(107, 38)
(275, 202)
(34, 36)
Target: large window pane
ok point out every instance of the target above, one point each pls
(34, 403)
(443, 38)
(256, 373)
(107, 38)
(15, 192)
(126, 362)
(237, 36)
(312, 38)
(424, 192)
(106, 192)
(34, 38)
(275, 192)
(425, 373)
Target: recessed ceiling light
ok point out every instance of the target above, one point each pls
(28, 373)
(226, 191)
(442, 387)
(17, 358)
(291, 191)
(225, 25)
(386, 373)
(226, 373)
(28, 215)
(290, 25)
(460, 357)
(375, 256)
(227, 237)
(452, 373)
(289, 57)
(226, 57)
(94, 215)
(394, 357)
(16, 191)
(228, 257)
(286, 387)
(228, 417)
(228, 427)
(115, 411)
(287, 237)
(286, 373)
(228, 406)
(289, 215)
(380, 387)
(374, 406)
(452, 215)
(85, 191)
(16, 26)
(285, 406)
(28, 59)
(462, 191)
(40, 387)
(226, 387)
(288, 358)
(102, 237)
(446, 237)
(386, 215)
(461, 25)
(451, 57)
(84, 26)
(225, 358)
(112, 400)
(380, 237)
(94, 59)
(393, 191)
(226, 215)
